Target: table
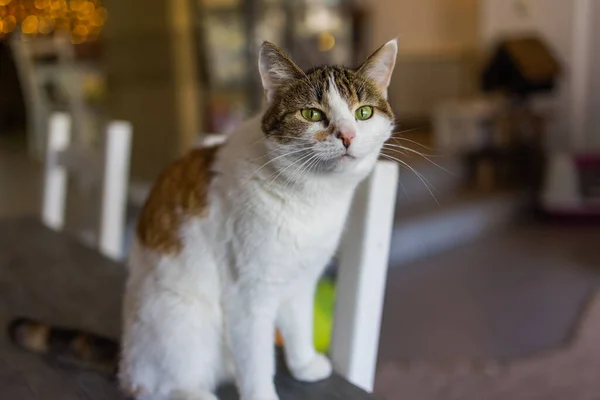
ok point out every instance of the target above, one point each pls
(50, 276)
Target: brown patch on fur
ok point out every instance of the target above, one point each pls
(321, 136)
(179, 193)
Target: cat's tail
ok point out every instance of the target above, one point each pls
(70, 346)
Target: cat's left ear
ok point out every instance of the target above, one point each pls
(380, 65)
(276, 68)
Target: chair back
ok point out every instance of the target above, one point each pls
(107, 168)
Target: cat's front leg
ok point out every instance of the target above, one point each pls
(295, 322)
(250, 320)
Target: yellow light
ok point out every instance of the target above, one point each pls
(41, 4)
(9, 24)
(102, 13)
(21, 12)
(30, 25)
(87, 12)
(76, 5)
(83, 19)
(326, 41)
(97, 20)
(58, 5)
(46, 25)
(88, 7)
(63, 25)
(80, 30)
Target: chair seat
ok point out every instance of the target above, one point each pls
(52, 277)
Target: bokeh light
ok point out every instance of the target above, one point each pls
(9, 23)
(30, 25)
(81, 19)
(326, 41)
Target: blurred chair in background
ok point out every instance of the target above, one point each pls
(52, 80)
(108, 168)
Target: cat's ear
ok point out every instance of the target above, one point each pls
(276, 68)
(380, 65)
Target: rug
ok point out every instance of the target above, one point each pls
(570, 372)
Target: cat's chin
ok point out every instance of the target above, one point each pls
(347, 164)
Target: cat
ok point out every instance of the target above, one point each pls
(233, 238)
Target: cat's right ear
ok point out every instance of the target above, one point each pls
(276, 69)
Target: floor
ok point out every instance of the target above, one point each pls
(505, 296)
(508, 295)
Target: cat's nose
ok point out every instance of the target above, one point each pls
(346, 136)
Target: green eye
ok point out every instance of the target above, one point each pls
(363, 113)
(312, 114)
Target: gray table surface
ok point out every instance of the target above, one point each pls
(51, 277)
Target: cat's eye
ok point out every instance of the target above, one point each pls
(363, 113)
(312, 114)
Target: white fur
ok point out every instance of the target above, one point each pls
(207, 315)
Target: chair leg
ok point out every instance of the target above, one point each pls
(362, 275)
(115, 182)
(55, 178)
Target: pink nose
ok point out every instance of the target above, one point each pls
(346, 136)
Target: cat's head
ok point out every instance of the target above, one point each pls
(330, 118)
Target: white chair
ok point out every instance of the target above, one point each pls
(63, 74)
(108, 168)
(33, 82)
(362, 274)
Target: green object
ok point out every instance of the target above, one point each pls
(324, 307)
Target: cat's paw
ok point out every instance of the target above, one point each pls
(271, 397)
(264, 394)
(267, 397)
(261, 397)
(317, 369)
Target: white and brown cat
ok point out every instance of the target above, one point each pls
(233, 239)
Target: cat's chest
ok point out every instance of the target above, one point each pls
(296, 232)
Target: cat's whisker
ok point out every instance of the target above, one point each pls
(303, 157)
(413, 142)
(420, 176)
(411, 168)
(418, 128)
(425, 157)
(396, 150)
(308, 167)
(266, 155)
(297, 172)
(306, 170)
(273, 160)
(404, 148)
(265, 137)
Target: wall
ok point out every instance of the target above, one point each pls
(591, 139)
(436, 40)
(152, 82)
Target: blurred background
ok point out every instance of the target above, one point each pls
(495, 244)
